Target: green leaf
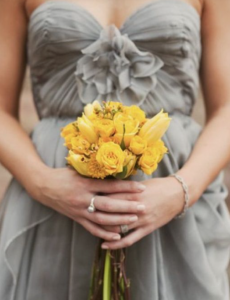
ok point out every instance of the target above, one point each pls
(122, 145)
(122, 174)
(107, 277)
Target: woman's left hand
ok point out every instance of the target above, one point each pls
(163, 199)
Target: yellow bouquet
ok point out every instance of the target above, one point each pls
(113, 140)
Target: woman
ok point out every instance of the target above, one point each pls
(48, 237)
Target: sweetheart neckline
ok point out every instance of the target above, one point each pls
(139, 9)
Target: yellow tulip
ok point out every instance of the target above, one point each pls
(68, 132)
(87, 129)
(155, 127)
(80, 145)
(78, 162)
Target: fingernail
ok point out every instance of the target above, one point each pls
(133, 219)
(103, 246)
(116, 237)
(141, 187)
(140, 207)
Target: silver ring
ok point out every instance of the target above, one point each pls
(91, 208)
(124, 228)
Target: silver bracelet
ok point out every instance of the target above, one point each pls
(186, 195)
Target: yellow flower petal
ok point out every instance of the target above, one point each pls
(87, 129)
(135, 112)
(111, 157)
(80, 145)
(78, 162)
(105, 127)
(138, 145)
(155, 127)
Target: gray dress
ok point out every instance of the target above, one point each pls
(152, 61)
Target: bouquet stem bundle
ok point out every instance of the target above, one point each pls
(109, 280)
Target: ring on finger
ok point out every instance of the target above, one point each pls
(124, 228)
(91, 208)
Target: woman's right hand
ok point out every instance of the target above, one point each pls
(69, 193)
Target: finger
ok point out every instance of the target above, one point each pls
(126, 241)
(115, 186)
(110, 219)
(107, 204)
(126, 196)
(117, 229)
(98, 231)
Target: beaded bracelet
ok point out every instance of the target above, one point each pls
(186, 195)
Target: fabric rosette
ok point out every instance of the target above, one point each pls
(113, 68)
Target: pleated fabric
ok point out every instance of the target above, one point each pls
(152, 61)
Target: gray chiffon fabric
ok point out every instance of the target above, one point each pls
(152, 61)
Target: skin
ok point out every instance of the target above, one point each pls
(162, 198)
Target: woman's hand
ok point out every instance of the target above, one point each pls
(163, 199)
(67, 192)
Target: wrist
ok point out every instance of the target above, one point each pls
(177, 193)
(35, 181)
(193, 189)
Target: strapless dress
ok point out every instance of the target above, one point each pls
(152, 61)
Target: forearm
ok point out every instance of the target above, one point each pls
(17, 152)
(210, 155)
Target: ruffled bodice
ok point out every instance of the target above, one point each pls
(74, 60)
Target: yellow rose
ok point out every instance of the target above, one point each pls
(80, 145)
(78, 162)
(135, 112)
(155, 127)
(111, 157)
(131, 125)
(68, 132)
(138, 145)
(148, 162)
(87, 129)
(130, 162)
(105, 127)
(160, 147)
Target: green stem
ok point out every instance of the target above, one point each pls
(107, 277)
